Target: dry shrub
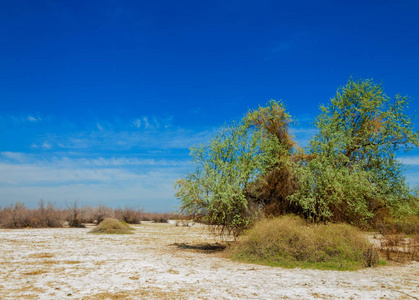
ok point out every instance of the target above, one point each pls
(50, 216)
(15, 216)
(160, 217)
(18, 216)
(102, 212)
(400, 238)
(112, 226)
(47, 215)
(129, 215)
(291, 242)
(408, 225)
(400, 247)
(75, 215)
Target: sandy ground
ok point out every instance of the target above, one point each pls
(73, 264)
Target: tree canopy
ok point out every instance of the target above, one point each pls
(354, 174)
(348, 173)
(215, 192)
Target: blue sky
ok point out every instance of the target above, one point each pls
(100, 100)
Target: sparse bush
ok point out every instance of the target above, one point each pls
(102, 212)
(292, 242)
(15, 216)
(112, 226)
(129, 215)
(160, 217)
(50, 216)
(400, 247)
(75, 216)
(18, 216)
(47, 215)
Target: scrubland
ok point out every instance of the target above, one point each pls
(164, 261)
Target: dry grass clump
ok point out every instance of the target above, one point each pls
(112, 226)
(291, 242)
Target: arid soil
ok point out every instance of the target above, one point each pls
(70, 263)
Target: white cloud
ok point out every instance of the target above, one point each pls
(17, 156)
(152, 122)
(409, 160)
(162, 138)
(137, 123)
(121, 181)
(23, 119)
(46, 146)
(33, 119)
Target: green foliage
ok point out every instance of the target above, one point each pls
(353, 175)
(291, 242)
(225, 167)
(270, 191)
(348, 174)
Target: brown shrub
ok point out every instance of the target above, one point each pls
(15, 216)
(400, 247)
(112, 226)
(129, 215)
(18, 216)
(75, 215)
(102, 212)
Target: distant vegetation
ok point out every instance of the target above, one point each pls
(348, 173)
(47, 215)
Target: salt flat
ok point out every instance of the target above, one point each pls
(67, 263)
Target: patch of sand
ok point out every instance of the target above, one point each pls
(69, 263)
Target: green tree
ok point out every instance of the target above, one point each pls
(271, 190)
(353, 175)
(217, 192)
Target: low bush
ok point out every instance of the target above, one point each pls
(408, 225)
(75, 215)
(129, 215)
(112, 226)
(292, 242)
(102, 212)
(47, 215)
(160, 217)
(18, 216)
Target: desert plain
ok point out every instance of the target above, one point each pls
(71, 263)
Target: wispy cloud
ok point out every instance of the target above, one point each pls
(118, 181)
(131, 162)
(146, 122)
(23, 119)
(409, 160)
(303, 135)
(146, 138)
(44, 145)
(33, 119)
(64, 160)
